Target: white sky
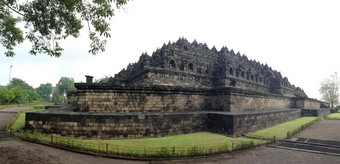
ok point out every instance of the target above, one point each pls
(299, 38)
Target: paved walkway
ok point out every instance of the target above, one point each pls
(17, 151)
(6, 114)
(321, 138)
(324, 130)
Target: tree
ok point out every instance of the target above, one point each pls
(329, 90)
(6, 96)
(45, 91)
(64, 85)
(104, 79)
(48, 21)
(19, 95)
(56, 97)
(16, 82)
(31, 95)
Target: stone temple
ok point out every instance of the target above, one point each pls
(182, 88)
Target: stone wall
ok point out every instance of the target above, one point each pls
(105, 126)
(134, 98)
(247, 84)
(315, 112)
(101, 98)
(304, 103)
(257, 102)
(72, 98)
(239, 100)
(141, 125)
(310, 103)
(236, 124)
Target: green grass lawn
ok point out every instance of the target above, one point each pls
(202, 142)
(179, 145)
(20, 122)
(334, 116)
(280, 131)
(201, 139)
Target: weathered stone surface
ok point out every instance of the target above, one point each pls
(115, 125)
(130, 98)
(195, 65)
(185, 76)
(132, 125)
(240, 123)
(182, 88)
(315, 112)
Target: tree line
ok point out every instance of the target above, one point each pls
(19, 91)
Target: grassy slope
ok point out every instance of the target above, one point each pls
(201, 139)
(334, 116)
(280, 131)
(20, 121)
(202, 142)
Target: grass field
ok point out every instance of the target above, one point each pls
(180, 145)
(334, 116)
(280, 131)
(201, 139)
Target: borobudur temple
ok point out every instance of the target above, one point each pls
(182, 88)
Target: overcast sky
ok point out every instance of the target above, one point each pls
(299, 38)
